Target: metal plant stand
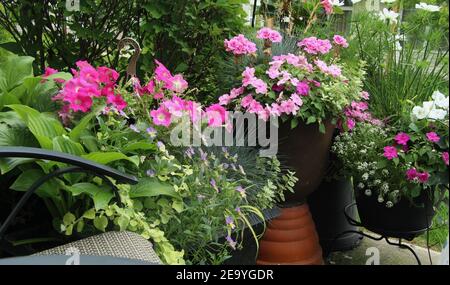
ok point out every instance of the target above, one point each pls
(383, 236)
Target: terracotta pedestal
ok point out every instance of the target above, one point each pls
(291, 239)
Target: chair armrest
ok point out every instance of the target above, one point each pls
(38, 153)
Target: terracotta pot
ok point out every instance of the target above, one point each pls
(306, 150)
(291, 239)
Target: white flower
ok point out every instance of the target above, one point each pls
(419, 113)
(356, 1)
(388, 15)
(441, 100)
(437, 114)
(428, 7)
(337, 3)
(388, 1)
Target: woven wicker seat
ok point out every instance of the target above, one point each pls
(115, 244)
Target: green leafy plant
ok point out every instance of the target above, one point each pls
(404, 61)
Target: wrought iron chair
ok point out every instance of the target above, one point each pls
(114, 244)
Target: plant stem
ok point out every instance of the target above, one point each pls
(312, 17)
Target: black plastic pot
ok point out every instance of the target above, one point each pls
(406, 219)
(327, 206)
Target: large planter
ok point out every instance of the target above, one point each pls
(404, 220)
(306, 150)
(327, 207)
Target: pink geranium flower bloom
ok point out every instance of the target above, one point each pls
(433, 137)
(340, 41)
(390, 152)
(240, 45)
(313, 45)
(445, 158)
(161, 117)
(402, 139)
(269, 34)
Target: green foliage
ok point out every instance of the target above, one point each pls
(54, 36)
(404, 62)
(188, 36)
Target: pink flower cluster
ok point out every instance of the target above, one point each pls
(313, 45)
(164, 78)
(240, 45)
(332, 70)
(249, 79)
(270, 35)
(359, 112)
(340, 41)
(175, 107)
(414, 175)
(87, 84)
(49, 72)
(327, 6)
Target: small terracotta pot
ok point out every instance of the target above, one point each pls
(291, 239)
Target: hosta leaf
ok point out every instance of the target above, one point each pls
(13, 70)
(64, 144)
(43, 127)
(108, 157)
(49, 189)
(151, 187)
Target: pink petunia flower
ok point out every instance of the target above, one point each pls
(117, 102)
(161, 117)
(390, 152)
(177, 84)
(216, 115)
(162, 74)
(49, 71)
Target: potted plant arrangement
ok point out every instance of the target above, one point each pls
(308, 92)
(400, 173)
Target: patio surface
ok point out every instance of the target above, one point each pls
(388, 254)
